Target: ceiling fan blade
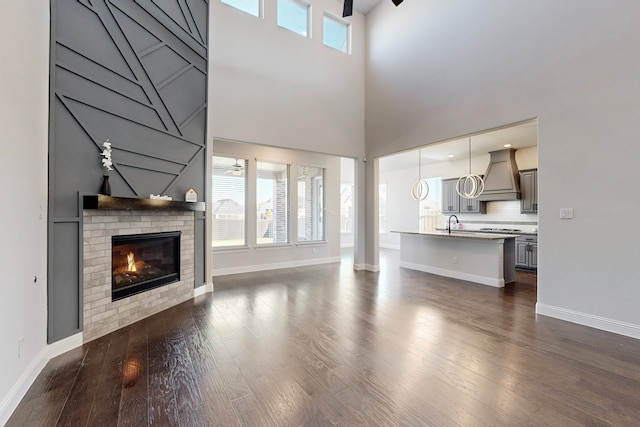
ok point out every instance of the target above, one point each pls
(347, 9)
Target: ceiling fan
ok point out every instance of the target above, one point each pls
(347, 9)
(237, 169)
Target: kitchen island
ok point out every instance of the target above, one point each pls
(486, 258)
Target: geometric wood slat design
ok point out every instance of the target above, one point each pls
(133, 72)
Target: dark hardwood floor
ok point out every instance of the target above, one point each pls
(324, 346)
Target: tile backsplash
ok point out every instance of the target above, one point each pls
(504, 214)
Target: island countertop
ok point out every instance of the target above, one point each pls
(461, 235)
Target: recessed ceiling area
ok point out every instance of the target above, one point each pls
(519, 136)
(364, 6)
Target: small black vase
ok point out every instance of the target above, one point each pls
(106, 187)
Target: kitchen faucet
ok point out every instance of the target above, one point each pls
(457, 222)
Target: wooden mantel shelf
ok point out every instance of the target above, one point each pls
(129, 203)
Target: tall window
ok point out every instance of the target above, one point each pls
(346, 208)
(272, 200)
(228, 183)
(249, 6)
(294, 16)
(382, 208)
(335, 33)
(431, 207)
(310, 203)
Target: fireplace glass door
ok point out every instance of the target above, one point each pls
(141, 262)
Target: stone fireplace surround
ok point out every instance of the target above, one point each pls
(101, 315)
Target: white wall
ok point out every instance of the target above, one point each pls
(403, 213)
(23, 212)
(271, 86)
(439, 69)
(240, 260)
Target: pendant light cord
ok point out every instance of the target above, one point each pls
(469, 155)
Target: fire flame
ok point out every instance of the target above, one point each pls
(131, 262)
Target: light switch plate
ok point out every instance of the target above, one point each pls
(566, 213)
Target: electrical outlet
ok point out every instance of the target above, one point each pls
(20, 345)
(566, 213)
(455, 259)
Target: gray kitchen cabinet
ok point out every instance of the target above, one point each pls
(529, 189)
(472, 205)
(527, 252)
(452, 202)
(450, 197)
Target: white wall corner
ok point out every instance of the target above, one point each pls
(590, 320)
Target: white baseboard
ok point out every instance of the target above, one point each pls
(390, 246)
(201, 290)
(367, 267)
(483, 280)
(274, 266)
(66, 344)
(20, 388)
(586, 319)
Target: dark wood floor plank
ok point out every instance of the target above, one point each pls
(105, 408)
(326, 345)
(163, 410)
(185, 384)
(80, 400)
(251, 413)
(134, 407)
(279, 396)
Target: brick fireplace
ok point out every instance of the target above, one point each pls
(101, 313)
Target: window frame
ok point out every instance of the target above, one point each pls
(351, 188)
(323, 202)
(260, 8)
(382, 208)
(245, 244)
(304, 4)
(256, 217)
(339, 20)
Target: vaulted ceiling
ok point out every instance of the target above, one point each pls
(364, 6)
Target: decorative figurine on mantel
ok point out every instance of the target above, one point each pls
(191, 195)
(107, 165)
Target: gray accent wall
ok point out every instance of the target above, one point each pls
(133, 72)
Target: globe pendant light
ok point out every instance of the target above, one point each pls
(420, 188)
(471, 185)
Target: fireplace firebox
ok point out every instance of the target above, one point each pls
(141, 262)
